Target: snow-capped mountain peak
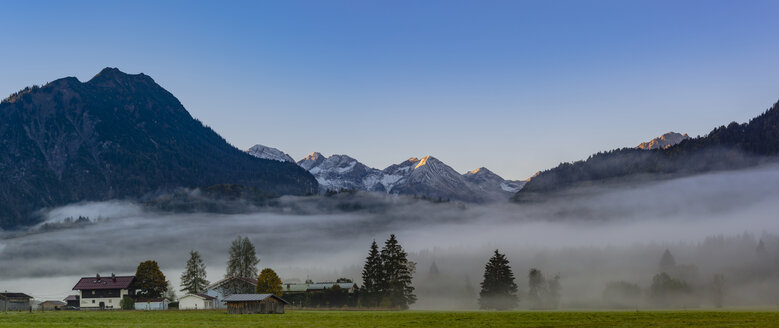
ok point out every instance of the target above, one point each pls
(426, 176)
(664, 141)
(266, 152)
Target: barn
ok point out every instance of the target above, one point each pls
(15, 301)
(254, 303)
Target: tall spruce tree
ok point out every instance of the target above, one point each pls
(397, 290)
(193, 279)
(243, 259)
(372, 278)
(498, 290)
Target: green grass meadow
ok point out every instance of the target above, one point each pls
(392, 319)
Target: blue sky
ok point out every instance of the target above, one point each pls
(516, 86)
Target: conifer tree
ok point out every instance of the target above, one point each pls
(193, 279)
(667, 262)
(372, 277)
(398, 271)
(498, 290)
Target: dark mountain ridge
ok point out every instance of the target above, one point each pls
(734, 146)
(116, 136)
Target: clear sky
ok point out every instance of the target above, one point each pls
(516, 86)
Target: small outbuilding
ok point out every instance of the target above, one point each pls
(151, 304)
(51, 305)
(254, 303)
(197, 302)
(15, 301)
(73, 300)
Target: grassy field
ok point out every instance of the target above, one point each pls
(393, 319)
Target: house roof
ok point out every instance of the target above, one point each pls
(118, 282)
(201, 296)
(295, 287)
(15, 295)
(71, 298)
(228, 279)
(251, 298)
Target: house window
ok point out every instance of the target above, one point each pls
(109, 301)
(93, 292)
(93, 301)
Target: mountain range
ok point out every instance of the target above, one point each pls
(428, 177)
(735, 146)
(116, 136)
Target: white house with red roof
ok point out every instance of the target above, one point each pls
(104, 292)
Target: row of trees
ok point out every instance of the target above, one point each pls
(387, 277)
(499, 291)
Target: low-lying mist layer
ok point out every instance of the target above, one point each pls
(712, 224)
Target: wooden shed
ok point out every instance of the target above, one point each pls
(254, 303)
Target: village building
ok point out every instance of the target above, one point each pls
(232, 285)
(15, 301)
(197, 302)
(152, 304)
(51, 305)
(73, 300)
(349, 287)
(255, 303)
(104, 292)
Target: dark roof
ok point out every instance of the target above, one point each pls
(15, 295)
(72, 298)
(118, 282)
(207, 297)
(228, 279)
(251, 298)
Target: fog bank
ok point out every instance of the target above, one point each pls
(712, 222)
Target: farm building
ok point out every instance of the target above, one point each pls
(15, 301)
(321, 294)
(73, 300)
(51, 305)
(254, 303)
(349, 287)
(153, 304)
(197, 302)
(232, 285)
(104, 293)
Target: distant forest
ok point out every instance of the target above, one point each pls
(726, 147)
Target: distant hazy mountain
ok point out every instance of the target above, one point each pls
(725, 148)
(265, 152)
(427, 177)
(116, 136)
(666, 140)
